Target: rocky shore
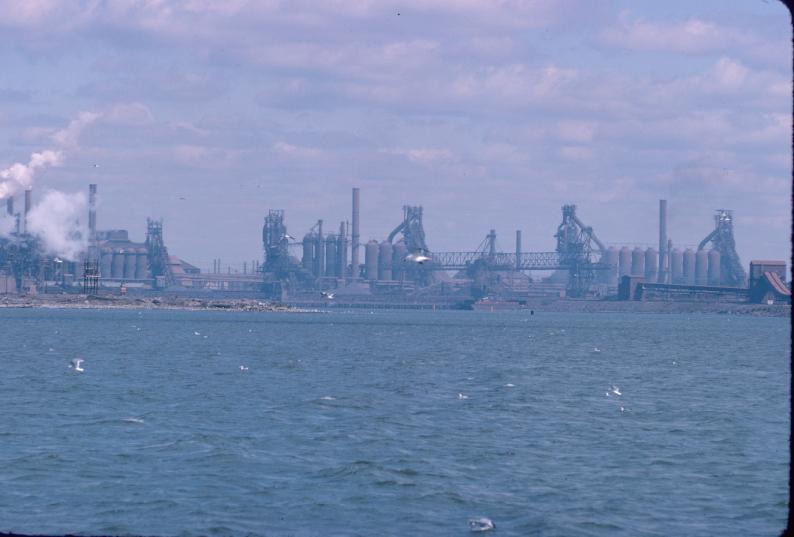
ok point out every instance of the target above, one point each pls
(117, 302)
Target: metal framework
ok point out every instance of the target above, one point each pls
(496, 260)
(732, 272)
(90, 277)
(158, 253)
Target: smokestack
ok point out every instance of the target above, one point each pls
(92, 212)
(518, 249)
(10, 205)
(355, 236)
(663, 253)
(28, 194)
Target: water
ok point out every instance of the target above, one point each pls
(392, 423)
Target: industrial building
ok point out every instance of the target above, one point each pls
(400, 268)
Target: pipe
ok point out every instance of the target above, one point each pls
(518, 249)
(590, 233)
(355, 236)
(28, 194)
(662, 276)
(92, 212)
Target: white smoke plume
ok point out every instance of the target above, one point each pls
(57, 221)
(19, 176)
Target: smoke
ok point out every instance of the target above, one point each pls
(56, 220)
(19, 176)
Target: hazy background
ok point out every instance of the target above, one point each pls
(490, 114)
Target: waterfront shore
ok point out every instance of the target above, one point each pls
(250, 304)
(117, 302)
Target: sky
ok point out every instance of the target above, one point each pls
(488, 113)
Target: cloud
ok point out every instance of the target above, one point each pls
(294, 151)
(423, 155)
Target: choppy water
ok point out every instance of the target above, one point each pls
(392, 423)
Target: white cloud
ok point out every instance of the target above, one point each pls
(295, 151)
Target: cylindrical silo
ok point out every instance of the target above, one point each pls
(637, 262)
(308, 252)
(341, 256)
(130, 257)
(141, 264)
(371, 252)
(651, 264)
(689, 267)
(701, 267)
(676, 267)
(399, 251)
(610, 258)
(330, 255)
(117, 270)
(384, 261)
(106, 262)
(714, 267)
(624, 261)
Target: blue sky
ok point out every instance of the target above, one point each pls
(490, 114)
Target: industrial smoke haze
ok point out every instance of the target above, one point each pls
(18, 176)
(56, 221)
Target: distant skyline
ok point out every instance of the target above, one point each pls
(489, 114)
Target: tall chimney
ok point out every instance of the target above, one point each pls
(92, 212)
(28, 194)
(518, 249)
(10, 205)
(663, 253)
(355, 237)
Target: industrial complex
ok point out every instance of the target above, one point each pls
(331, 264)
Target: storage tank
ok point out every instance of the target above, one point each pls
(341, 256)
(677, 267)
(384, 261)
(141, 264)
(689, 266)
(117, 270)
(399, 252)
(714, 267)
(651, 264)
(624, 261)
(371, 252)
(330, 255)
(701, 267)
(130, 255)
(610, 258)
(106, 262)
(308, 252)
(637, 262)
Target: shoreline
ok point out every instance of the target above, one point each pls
(255, 305)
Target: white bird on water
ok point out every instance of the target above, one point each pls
(461, 396)
(481, 524)
(616, 390)
(76, 365)
(243, 368)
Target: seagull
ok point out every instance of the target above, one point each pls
(616, 390)
(481, 524)
(290, 237)
(596, 350)
(95, 165)
(461, 396)
(196, 333)
(328, 295)
(57, 260)
(417, 257)
(76, 363)
(243, 368)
